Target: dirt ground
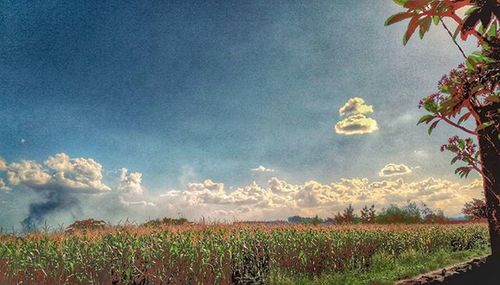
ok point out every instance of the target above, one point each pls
(481, 271)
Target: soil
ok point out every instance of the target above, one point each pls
(480, 271)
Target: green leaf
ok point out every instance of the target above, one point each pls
(480, 29)
(471, 10)
(492, 32)
(461, 143)
(425, 119)
(436, 20)
(429, 131)
(425, 24)
(484, 125)
(430, 106)
(401, 3)
(469, 65)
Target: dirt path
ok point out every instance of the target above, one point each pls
(479, 271)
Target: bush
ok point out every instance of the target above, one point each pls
(165, 222)
(88, 224)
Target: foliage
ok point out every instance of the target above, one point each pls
(346, 217)
(409, 214)
(475, 209)
(217, 254)
(368, 214)
(464, 150)
(165, 222)
(467, 90)
(385, 269)
(306, 220)
(422, 13)
(88, 224)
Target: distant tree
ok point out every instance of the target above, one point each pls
(468, 95)
(346, 217)
(294, 219)
(410, 214)
(165, 222)
(316, 220)
(475, 209)
(84, 225)
(368, 214)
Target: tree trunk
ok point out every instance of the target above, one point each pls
(489, 146)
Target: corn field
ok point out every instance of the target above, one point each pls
(216, 254)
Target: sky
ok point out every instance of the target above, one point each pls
(249, 110)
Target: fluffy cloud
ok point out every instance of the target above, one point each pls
(130, 182)
(60, 181)
(58, 172)
(78, 174)
(278, 198)
(393, 169)
(262, 169)
(356, 125)
(355, 122)
(28, 173)
(57, 181)
(355, 106)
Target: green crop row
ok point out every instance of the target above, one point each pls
(221, 254)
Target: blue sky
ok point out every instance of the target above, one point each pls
(184, 91)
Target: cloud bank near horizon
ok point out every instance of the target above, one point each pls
(66, 189)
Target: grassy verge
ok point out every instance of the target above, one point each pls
(385, 269)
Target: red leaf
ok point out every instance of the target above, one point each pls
(412, 26)
(416, 4)
(398, 17)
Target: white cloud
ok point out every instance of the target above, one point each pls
(355, 121)
(421, 153)
(356, 125)
(28, 173)
(278, 198)
(58, 172)
(130, 182)
(355, 106)
(393, 169)
(79, 174)
(262, 169)
(136, 203)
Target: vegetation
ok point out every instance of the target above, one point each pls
(475, 209)
(222, 254)
(84, 225)
(385, 269)
(165, 222)
(409, 214)
(468, 95)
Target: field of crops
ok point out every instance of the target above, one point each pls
(217, 254)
